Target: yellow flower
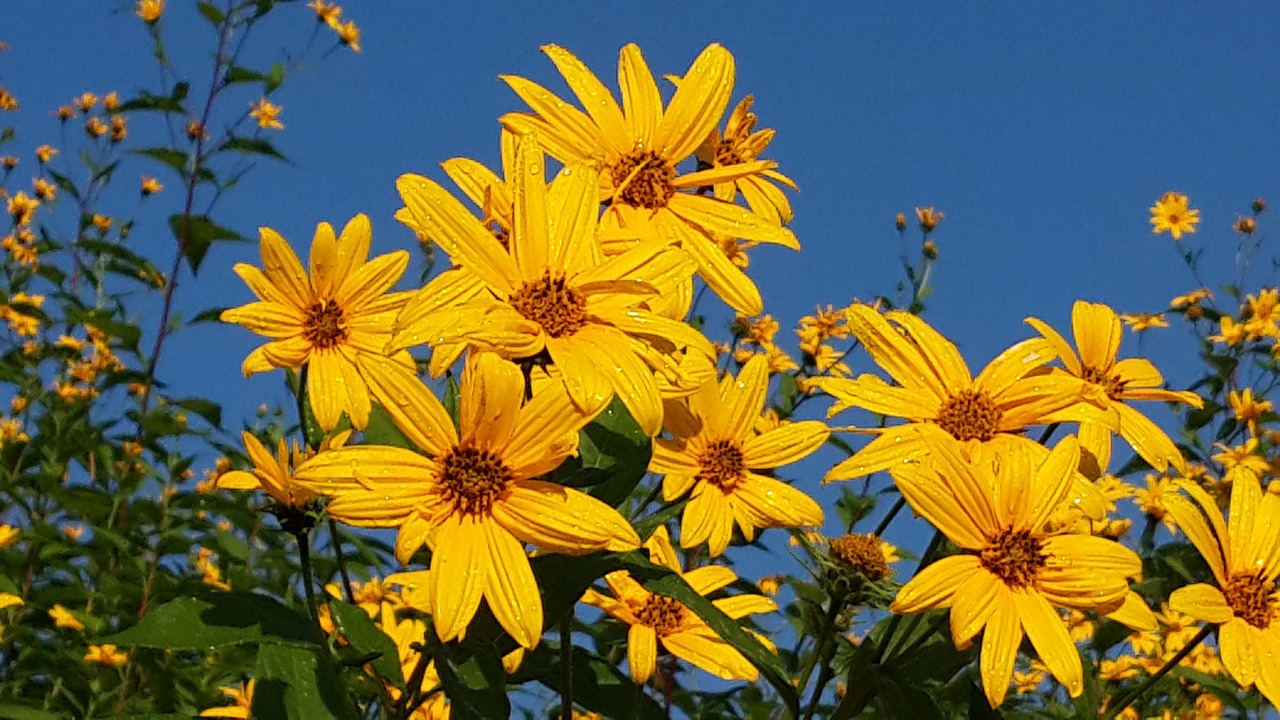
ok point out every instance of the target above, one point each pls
(267, 114)
(196, 131)
(45, 190)
(1247, 408)
(742, 143)
(241, 696)
(119, 128)
(44, 153)
(1144, 321)
(8, 103)
(549, 294)
(1243, 551)
(867, 556)
(85, 102)
(105, 655)
(934, 387)
(150, 11)
(1097, 334)
(1195, 297)
(150, 185)
(929, 218)
(9, 535)
(349, 35)
(716, 452)
(1263, 314)
(95, 127)
(326, 12)
(1011, 573)
(408, 635)
(1170, 214)
(273, 474)
(1241, 460)
(475, 501)
(8, 600)
(21, 207)
(1230, 332)
(655, 619)
(641, 144)
(64, 618)
(337, 321)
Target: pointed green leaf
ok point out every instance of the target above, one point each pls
(217, 620)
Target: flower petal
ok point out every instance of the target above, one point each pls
(697, 106)
(1000, 641)
(1050, 638)
(642, 652)
(711, 654)
(459, 573)
(934, 585)
(1202, 602)
(563, 520)
(784, 445)
(511, 589)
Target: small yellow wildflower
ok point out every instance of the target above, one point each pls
(349, 35)
(242, 699)
(1245, 225)
(64, 618)
(1247, 408)
(8, 535)
(150, 11)
(8, 103)
(45, 190)
(119, 128)
(267, 114)
(1171, 214)
(44, 153)
(1230, 332)
(196, 131)
(150, 185)
(900, 221)
(1139, 322)
(326, 12)
(85, 102)
(95, 127)
(21, 207)
(1151, 500)
(73, 532)
(105, 655)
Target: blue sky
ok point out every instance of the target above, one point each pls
(1043, 133)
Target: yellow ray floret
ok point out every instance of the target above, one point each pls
(716, 450)
(332, 320)
(475, 501)
(1011, 572)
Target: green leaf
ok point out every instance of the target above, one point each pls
(382, 430)
(275, 78)
(476, 688)
(365, 638)
(896, 698)
(613, 456)
(207, 409)
(295, 683)
(210, 12)
(196, 233)
(175, 159)
(14, 711)
(217, 620)
(159, 103)
(253, 146)
(237, 74)
(213, 314)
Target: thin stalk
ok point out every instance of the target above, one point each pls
(1048, 433)
(1136, 694)
(304, 557)
(566, 667)
(893, 512)
(336, 541)
(825, 652)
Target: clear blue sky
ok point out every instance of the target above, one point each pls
(1042, 131)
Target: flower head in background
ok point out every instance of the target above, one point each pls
(1172, 214)
(242, 699)
(267, 114)
(150, 11)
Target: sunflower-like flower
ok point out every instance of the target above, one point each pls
(1012, 572)
(549, 295)
(641, 145)
(655, 619)
(335, 321)
(475, 501)
(408, 635)
(1243, 551)
(715, 449)
(241, 696)
(934, 387)
(1172, 214)
(1097, 333)
(740, 143)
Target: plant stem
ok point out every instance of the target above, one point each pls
(825, 652)
(1136, 694)
(566, 667)
(1048, 433)
(336, 540)
(893, 512)
(304, 557)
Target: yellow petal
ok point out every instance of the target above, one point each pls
(735, 221)
(642, 652)
(574, 208)
(1208, 541)
(583, 368)
(459, 573)
(740, 606)
(563, 520)
(511, 589)
(595, 97)
(1134, 613)
(722, 276)
(325, 387)
(707, 517)
(1000, 641)
(492, 390)
(972, 604)
(901, 358)
(261, 285)
(468, 242)
(697, 106)
(530, 242)
(947, 363)
(893, 447)
(266, 318)
(1244, 541)
(239, 480)
(372, 280)
(780, 503)
(641, 101)
(934, 585)
(1050, 638)
(710, 578)
(1148, 440)
(283, 269)
(570, 136)
(1202, 602)
(1060, 345)
(416, 411)
(471, 177)
(1235, 644)
(1098, 332)
(785, 444)
(742, 400)
(711, 654)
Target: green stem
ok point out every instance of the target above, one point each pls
(1048, 433)
(308, 582)
(828, 630)
(1136, 694)
(825, 653)
(336, 540)
(893, 512)
(566, 667)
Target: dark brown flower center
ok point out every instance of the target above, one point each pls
(643, 179)
(727, 153)
(1250, 596)
(860, 554)
(722, 464)
(1014, 556)
(1111, 384)
(325, 324)
(665, 615)
(560, 309)
(472, 479)
(970, 415)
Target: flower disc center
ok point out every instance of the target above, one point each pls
(861, 555)
(1111, 384)
(644, 179)
(560, 309)
(1014, 556)
(325, 324)
(1250, 597)
(970, 415)
(722, 464)
(473, 479)
(662, 613)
